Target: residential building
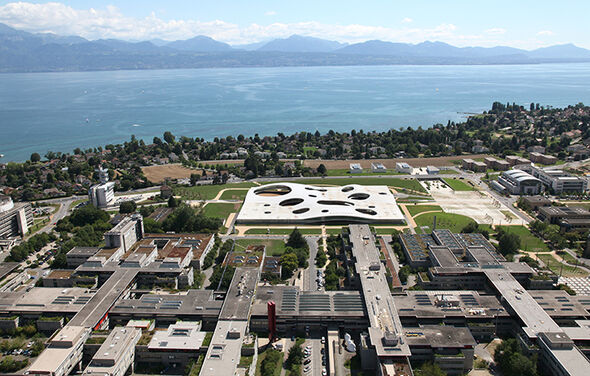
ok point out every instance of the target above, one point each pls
(542, 158)
(470, 164)
(102, 195)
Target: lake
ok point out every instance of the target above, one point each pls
(61, 111)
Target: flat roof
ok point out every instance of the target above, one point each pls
(224, 352)
(113, 348)
(105, 298)
(183, 335)
(45, 299)
(83, 251)
(240, 294)
(437, 336)
(385, 322)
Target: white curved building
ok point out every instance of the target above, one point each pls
(518, 182)
(293, 203)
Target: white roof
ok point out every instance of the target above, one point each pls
(300, 203)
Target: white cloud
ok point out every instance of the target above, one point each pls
(545, 33)
(496, 31)
(109, 22)
(270, 13)
(407, 20)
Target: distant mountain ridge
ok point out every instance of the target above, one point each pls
(21, 51)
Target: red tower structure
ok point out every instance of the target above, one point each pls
(272, 320)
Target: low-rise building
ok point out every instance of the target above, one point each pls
(378, 167)
(536, 202)
(355, 168)
(403, 168)
(432, 170)
(475, 166)
(566, 217)
(63, 353)
(558, 181)
(116, 355)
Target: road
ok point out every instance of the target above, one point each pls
(310, 274)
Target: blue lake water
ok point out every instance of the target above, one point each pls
(61, 111)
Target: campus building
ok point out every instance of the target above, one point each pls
(292, 203)
(15, 219)
(518, 182)
(558, 181)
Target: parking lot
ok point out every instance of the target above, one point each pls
(315, 357)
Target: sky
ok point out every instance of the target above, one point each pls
(525, 24)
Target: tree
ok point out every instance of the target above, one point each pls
(172, 202)
(429, 369)
(322, 169)
(404, 272)
(127, 207)
(321, 259)
(508, 243)
(289, 263)
(296, 240)
(169, 137)
(35, 157)
(195, 178)
(512, 362)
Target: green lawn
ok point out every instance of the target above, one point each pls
(453, 222)
(206, 192)
(346, 172)
(459, 185)
(567, 257)
(415, 209)
(274, 247)
(528, 241)
(234, 194)
(282, 231)
(558, 267)
(411, 184)
(220, 210)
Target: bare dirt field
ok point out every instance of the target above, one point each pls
(157, 174)
(390, 163)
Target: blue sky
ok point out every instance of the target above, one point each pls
(522, 23)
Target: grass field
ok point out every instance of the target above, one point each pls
(346, 172)
(234, 194)
(528, 241)
(411, 184)
(453, 222)
(220, 210)
(559, 267)
(282, 231)
(274, 247)
(206, 192)
(415, 209)
(567, 257)
(459, 185)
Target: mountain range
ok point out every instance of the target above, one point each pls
(21, 51)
